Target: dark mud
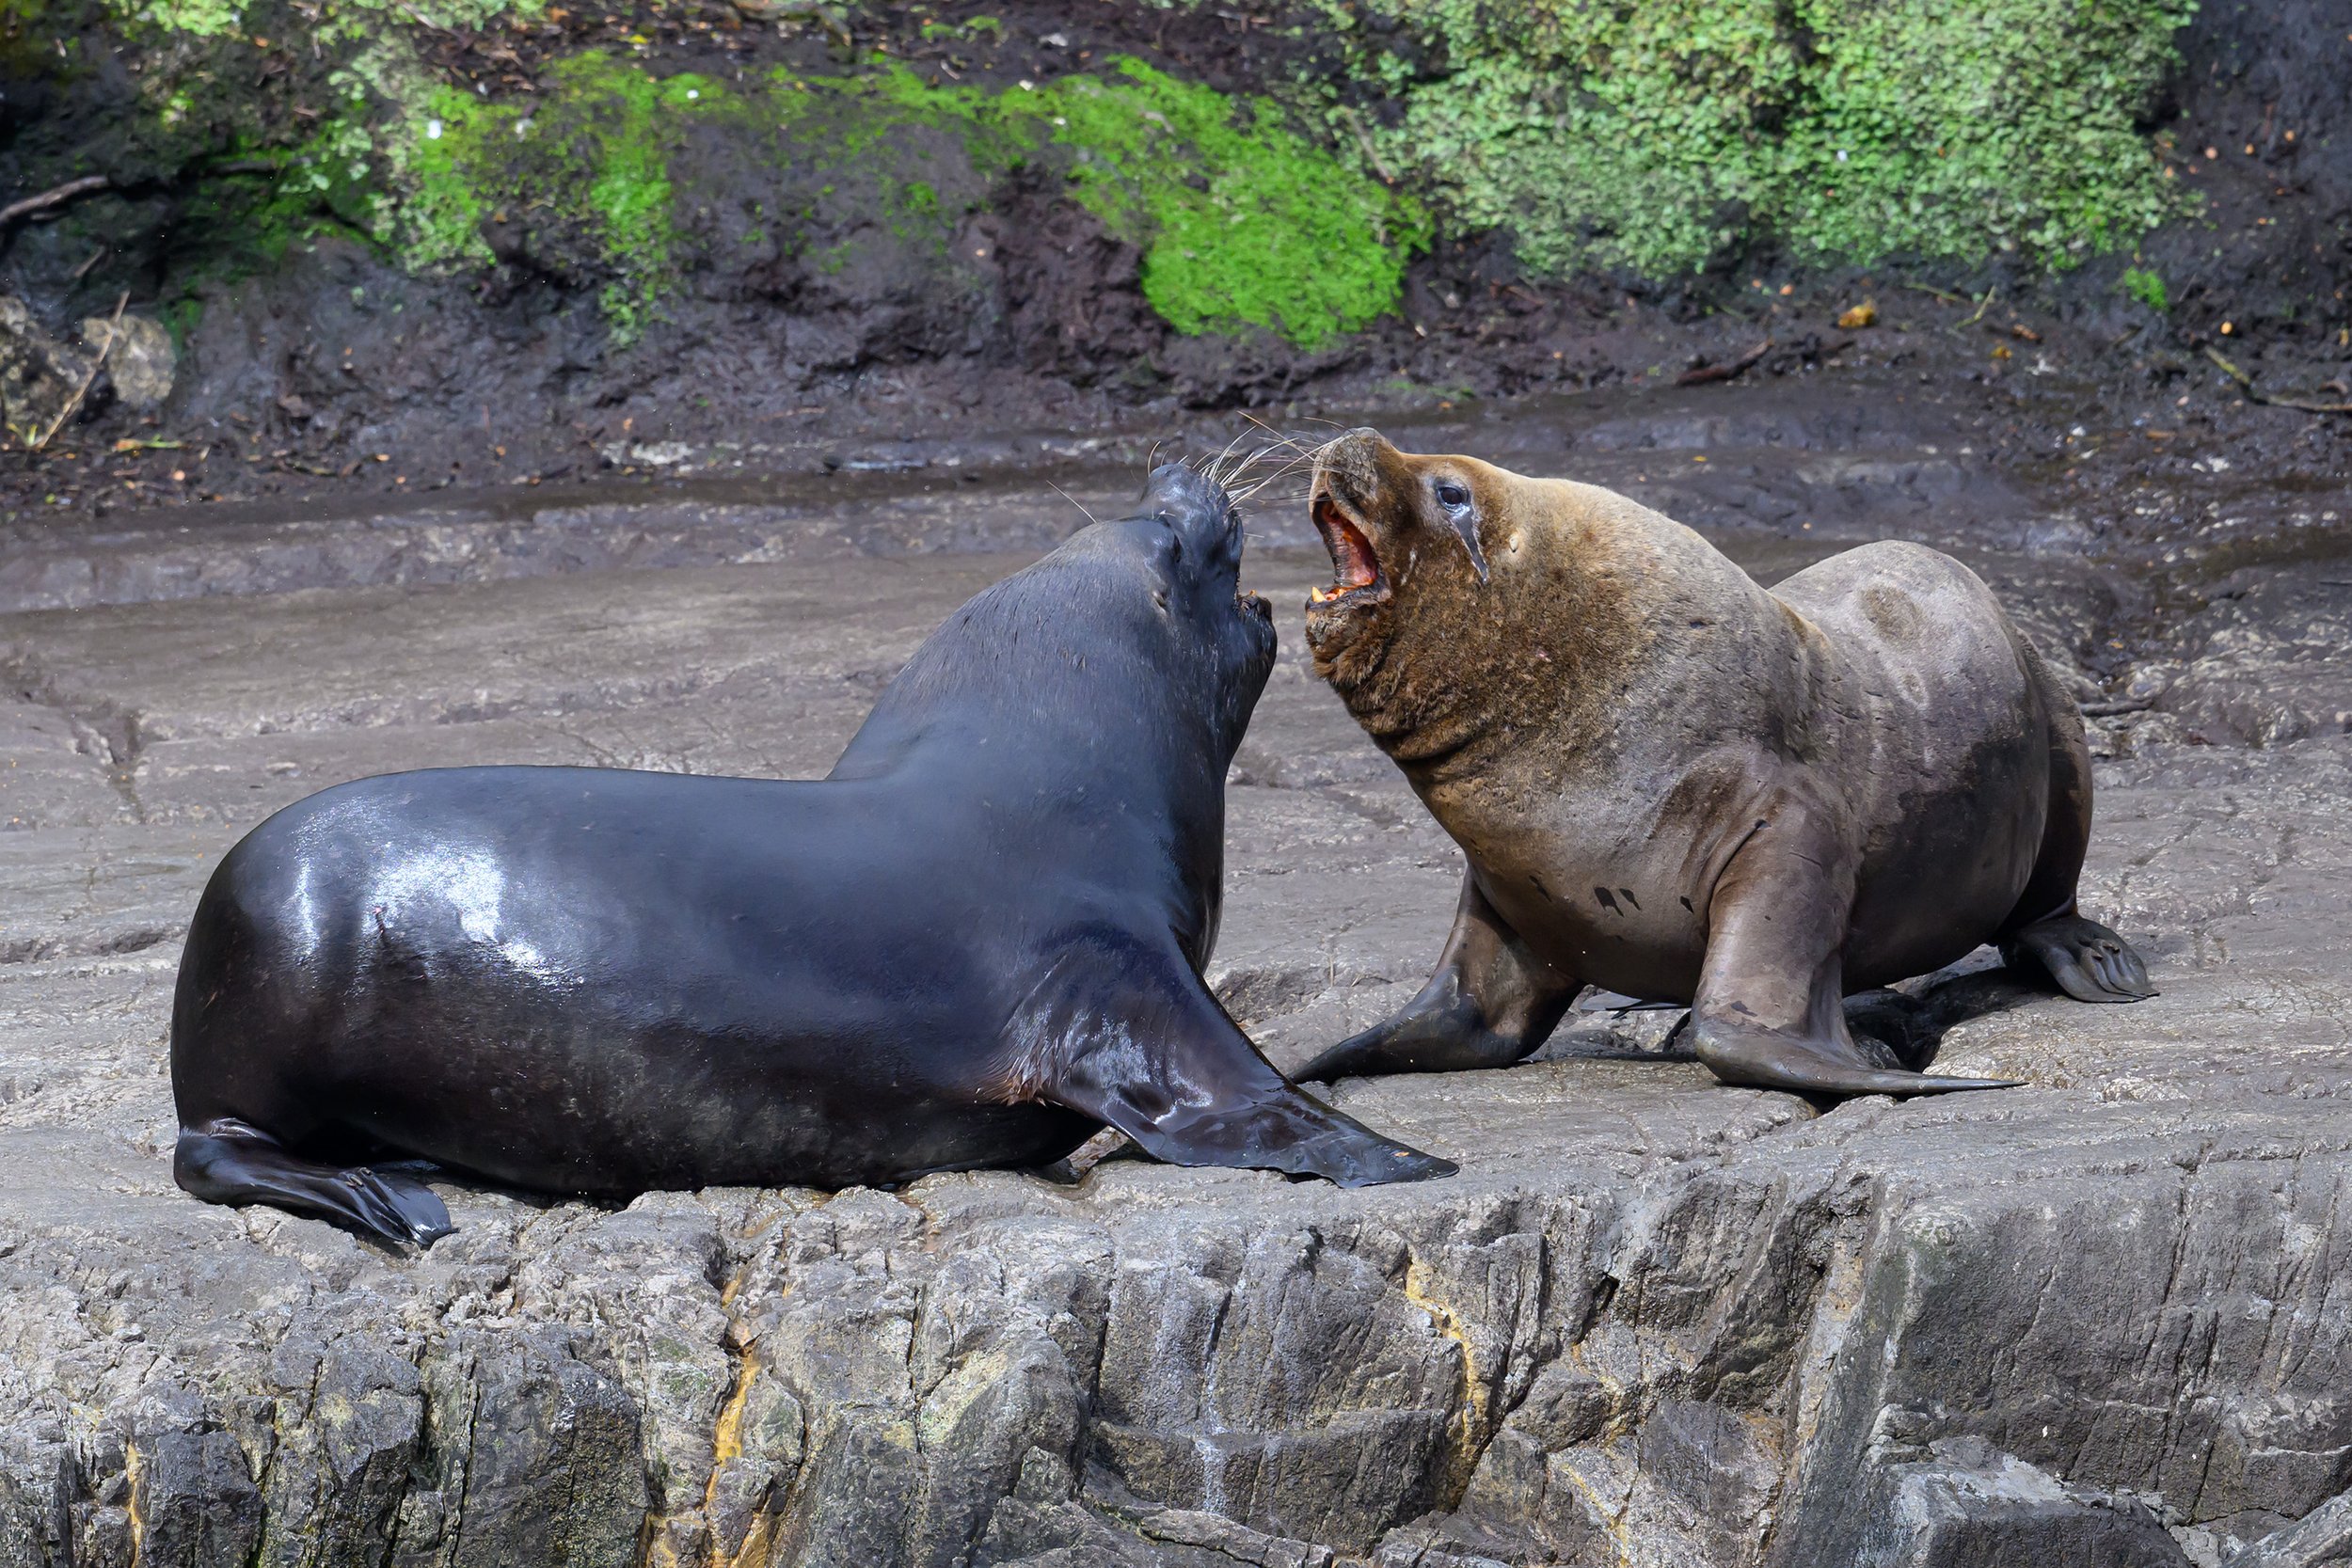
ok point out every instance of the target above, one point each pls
(2191, 562)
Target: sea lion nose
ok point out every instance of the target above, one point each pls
(1355, 445)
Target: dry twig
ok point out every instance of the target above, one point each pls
(57, 196)
(114, 336)
(2245, 384)
(1705, 373)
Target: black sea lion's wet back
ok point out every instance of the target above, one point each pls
(977, 940)
(1671, 782)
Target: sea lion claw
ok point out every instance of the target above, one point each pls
(2089, 963)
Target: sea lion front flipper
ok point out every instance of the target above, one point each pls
(1164, 1063)
(1769, 1011)
(226, 1161)
(2089, 963)
(1492, 1002)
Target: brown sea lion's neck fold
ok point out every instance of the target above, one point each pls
(1480, 670)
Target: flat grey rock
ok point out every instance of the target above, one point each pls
(2102, 1319)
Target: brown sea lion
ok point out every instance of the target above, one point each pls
(1673, 783)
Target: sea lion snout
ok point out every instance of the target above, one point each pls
(1346, 502)
(1403, 531)
(1382, 513)
(1188, 531)
(1194, 504)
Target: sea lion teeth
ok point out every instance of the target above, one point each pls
(748, 982)
(1616, 705)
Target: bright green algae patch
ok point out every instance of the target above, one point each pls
(1661, 135)
(1243, 222)
(1280, 236)
(590, 151)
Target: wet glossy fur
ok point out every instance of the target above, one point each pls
(975, 943)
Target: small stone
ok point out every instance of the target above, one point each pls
(140, 363)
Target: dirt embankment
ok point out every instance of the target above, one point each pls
(533, 246)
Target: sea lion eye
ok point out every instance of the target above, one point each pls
(1451, 495)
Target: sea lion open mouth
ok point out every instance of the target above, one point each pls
(1355, 566)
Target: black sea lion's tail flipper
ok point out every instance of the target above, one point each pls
(1156, 1057)
(2089, 963)
(225, 1161)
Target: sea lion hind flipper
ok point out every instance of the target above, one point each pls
(1173, 1072)
(1490, 1003)
(226, 1161)
(2089, 963)
(1824, 1065)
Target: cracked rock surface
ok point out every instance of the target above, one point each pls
(2105, 1319)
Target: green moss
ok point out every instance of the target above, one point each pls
(180, 318)
(444, 208)
(2145, 287)
(593, 150)
(1244, 222)
(1655, 136)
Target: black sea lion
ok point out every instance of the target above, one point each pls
(974, 944)
(1672, 783)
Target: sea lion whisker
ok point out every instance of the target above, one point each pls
(1281, 437)
(1216, 471)
(1248, 461)
(1073, 500)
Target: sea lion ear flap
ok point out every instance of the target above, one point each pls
(1164, 1065)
